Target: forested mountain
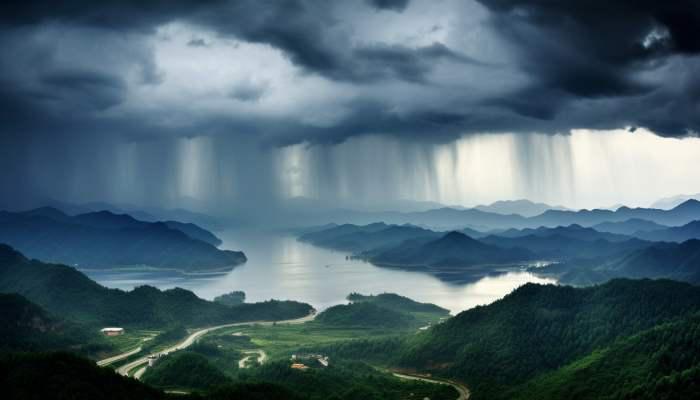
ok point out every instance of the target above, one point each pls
(559, 247)
(24, 326)
(538, 329)
(395, 302)
(679, 261)
(365, 315)
(355, 238)
(661, 363)
(572, 231)
(454, 249)
(66, 292)
(628, 227)
(688, 231)
(104, 239)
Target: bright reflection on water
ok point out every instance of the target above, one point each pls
(280, 267)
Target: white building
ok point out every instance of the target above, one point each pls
(112, 331)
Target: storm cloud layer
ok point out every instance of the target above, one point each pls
(422, 69)
(78, 78)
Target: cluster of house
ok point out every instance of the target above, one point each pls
(302, 361)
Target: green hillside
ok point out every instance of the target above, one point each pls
(66, 292)
(538, 329)
(660, 363)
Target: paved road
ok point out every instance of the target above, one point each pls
(118, 357)
(125, 369)
(461, 389)
(262, 356)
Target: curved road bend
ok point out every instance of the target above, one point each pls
(118, 357)
(262, 356)
(461, 389)
(125, 369)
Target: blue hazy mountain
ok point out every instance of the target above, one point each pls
(104, 239)
(677, 261)
(668, 203)
(447, 218)
(674, 234)
(356, 238)
(454, 249)
(525, 208)
(628, 227)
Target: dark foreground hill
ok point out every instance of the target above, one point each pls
(27, 327)
(63, 376)
(104, 239)
(539, 329)
(629, 338)
(66, 292)
(659, 363)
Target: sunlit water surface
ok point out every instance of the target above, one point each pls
(280, 267)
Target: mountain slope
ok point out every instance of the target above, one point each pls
(24, 326)
(454, 249)
(628, 227)
(526, 208)
(357, 239)
(538, 329)
(688, 231)
(104, 239)
(660, 363)
(66, 292)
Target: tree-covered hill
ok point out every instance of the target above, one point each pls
(366, 315)
(24, 326)
(454, 249)
(538, 329)
(104, 239)
(679, 261)
(662, 363)
(66, 292)
(395, 302)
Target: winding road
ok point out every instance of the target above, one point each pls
(187, 342)
(118, 357)
(461, 389)
(262, 356)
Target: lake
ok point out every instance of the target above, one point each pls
(280, 267)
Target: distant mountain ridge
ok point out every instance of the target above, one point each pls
(668, 203)
(688, 231)
(628, 227)
(525, 208)
(104, 239)
(453, 219)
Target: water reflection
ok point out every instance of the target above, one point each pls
(280, 267)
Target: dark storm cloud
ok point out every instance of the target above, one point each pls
(576, 51)
(87, 88)
(584, 64)
(395, 5)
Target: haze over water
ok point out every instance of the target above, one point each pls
(281, 267)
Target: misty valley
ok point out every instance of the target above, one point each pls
(559, 302)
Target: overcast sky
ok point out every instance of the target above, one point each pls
(242, 103)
